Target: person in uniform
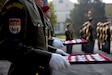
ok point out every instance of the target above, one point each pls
(52, 40)
(98, 34)
(22, 39)
(101, 39)
(83, 35)
(91, 38)
(111, 31)
(52, 43)
(106, 45)
(69, 36)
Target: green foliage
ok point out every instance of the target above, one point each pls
(53, 16)
(107, 9)
(60, 36)
(86, 9)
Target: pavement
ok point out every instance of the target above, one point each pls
(75, 69)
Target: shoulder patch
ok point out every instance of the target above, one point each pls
(14, 25)
(15, 4)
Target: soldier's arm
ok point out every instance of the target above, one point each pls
(51, 48)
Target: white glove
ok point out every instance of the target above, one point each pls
(57, 43)
(58, 62)
(59, 51)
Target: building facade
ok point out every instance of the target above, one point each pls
(45, 2)
(62, 8)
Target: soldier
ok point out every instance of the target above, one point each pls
(98, 34)
(106, 45)
(101, 40)
(103, 36)
(26, 48)
(91, 37)
(52, 43)
(110, 32)
(52, 40)
(69, 36)
(83, 32)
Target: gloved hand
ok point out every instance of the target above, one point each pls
(58, 62)
(57, 43)
(59, 51)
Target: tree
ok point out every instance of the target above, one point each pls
(108, 10)
(85, 9)
(53, 16)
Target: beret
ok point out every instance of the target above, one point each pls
(45, 8)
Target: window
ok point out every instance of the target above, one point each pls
(56, 28)
(60, 1)
(67, 16)
(67, 6)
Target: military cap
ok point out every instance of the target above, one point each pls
(45, 8)
(90, 19)
(98, 23)
(67, 24)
